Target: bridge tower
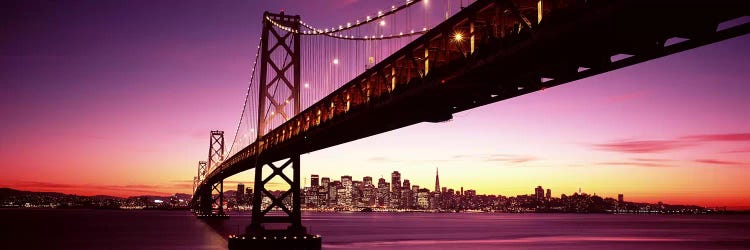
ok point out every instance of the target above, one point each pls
(279, 71)
(215, 156)
(276, 45)
(204, 204)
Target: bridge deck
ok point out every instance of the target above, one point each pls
(436, 76)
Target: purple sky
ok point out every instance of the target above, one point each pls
(118, 97)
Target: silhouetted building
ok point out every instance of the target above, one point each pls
(240, 195)
(383, 194)
(314, 181)
(539, 192)
(356, 194)
(369, 193)
(549, 194)
(437, 181)
(346, 183)
(423, 198)
(395, 189)
(333, 192)
(620, 198)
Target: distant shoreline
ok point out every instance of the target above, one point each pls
(726, 212)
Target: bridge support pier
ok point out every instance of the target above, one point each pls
(294, 236)
(207, 201)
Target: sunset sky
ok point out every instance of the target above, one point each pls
(110, 97)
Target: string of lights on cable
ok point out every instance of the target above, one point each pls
(334, 32)
(247, 95)
(357, 23)
(412, 32)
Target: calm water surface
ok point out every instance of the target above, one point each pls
(115, 229)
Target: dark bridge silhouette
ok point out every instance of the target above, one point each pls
(490, 51)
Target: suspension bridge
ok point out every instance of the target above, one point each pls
(313, 87)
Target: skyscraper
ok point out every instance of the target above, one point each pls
(539, 192)
(382, 195)
(395, 189)
(620, 198)
(437, 181)
(367, 180)
(346, 198)
(314, 181)
(395, 181)
(240, 192)
(549, 194)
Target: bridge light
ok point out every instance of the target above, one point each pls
(458, 37)
(307, 85)
(382, 22)
(336, 61)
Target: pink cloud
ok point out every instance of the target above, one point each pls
(511, 158)
(721, 162)
(742, 150)
(653, 146)
(634, 164)
(718, 137)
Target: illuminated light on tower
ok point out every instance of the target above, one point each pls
(336, 61)
(458, 37)
(382, 22)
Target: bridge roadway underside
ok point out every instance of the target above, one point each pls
(498, 71)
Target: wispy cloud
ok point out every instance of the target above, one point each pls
(657, 146)
(634, 164)
(645, 146)
(718, 137)
(722, 162)
(641, 162)
(381, 159)
(510, 158)
(652, 160)
(742, 150)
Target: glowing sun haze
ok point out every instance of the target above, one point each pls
(116, 98)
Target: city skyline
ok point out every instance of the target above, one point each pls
(82, 122)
